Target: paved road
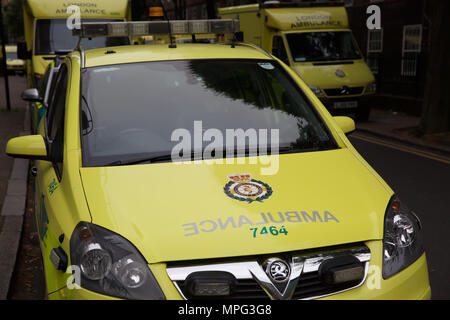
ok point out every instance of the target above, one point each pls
(11, 124)
(424, 185)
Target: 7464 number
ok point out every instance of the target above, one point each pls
(272, 230)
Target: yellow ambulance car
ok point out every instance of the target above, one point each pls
(317, 43)
(123, 213)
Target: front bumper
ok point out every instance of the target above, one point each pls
(364, 102)
(18, 67)
(411, 283)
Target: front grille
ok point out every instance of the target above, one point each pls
(249, 281)
(245, 289)
(339, 92)
(249, 289)
(308, 286)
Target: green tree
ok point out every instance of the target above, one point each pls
(13, 17)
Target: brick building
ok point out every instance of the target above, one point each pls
(397, 54)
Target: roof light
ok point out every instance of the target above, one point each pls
(159, 27)
(120, 29)
(221, 26)
(138, 28)
(94, 29)
(180, 27)
(198, 26)
(131, 29)
(156, 12)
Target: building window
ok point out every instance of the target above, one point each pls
(412, 38)
(412, 44)
(204, 11)
(375, 41)
(194, 12)
(374, 48)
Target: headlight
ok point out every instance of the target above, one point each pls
(371, 88)
(402, 243)
(111, 265)
(316, 91)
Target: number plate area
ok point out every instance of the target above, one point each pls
(345, 105)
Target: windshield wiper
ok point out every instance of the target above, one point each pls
(321, 146)
(151, 159)
(167, 157)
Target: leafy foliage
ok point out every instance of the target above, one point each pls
(13, 19)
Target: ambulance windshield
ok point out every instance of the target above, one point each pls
(323, 46)
(137, 110)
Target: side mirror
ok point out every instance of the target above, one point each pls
(347, 124)
(27, 147)
(22, 51)
(31, 95)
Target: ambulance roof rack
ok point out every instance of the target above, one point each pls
(147, 28)
(300, 4)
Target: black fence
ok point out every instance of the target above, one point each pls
(400, 81)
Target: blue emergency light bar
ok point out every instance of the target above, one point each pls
(147, 28)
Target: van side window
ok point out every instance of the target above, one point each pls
(279, 50)
(55, 123)
(44, 81)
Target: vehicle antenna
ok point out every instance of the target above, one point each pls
(171, 45)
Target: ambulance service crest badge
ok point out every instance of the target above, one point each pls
(243, 188)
